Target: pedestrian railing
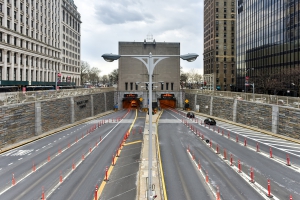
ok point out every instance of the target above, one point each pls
(259, 98)
(10, 98)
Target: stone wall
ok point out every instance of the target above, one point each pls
(109, 101)
(204, 103)
(98, 103)
(21, 121)
(223, 108)
(55, 113)
(82, 107)
(255, 114)
(17, 122)
(277, 119)
(289, 122)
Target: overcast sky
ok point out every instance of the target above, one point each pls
(106, 22)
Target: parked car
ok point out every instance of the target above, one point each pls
(210, 121)
(190, 115)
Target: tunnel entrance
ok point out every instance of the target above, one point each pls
(167, 101)
(131, 101)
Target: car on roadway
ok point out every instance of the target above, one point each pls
(210, 121)
(190, 115)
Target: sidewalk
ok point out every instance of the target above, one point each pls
(143, 172)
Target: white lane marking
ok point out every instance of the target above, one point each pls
(290, 150)
(49, 144)
(0, 168)
(29, 154)
(10, 164)
(64, 136)
(43, 147)
(59, 139)
(20, 158)
(37, 150)
(68, 134)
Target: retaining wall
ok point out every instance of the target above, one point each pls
(22, 121)
(281, 120)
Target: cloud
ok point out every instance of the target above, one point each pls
(114, 12)
(106, 22)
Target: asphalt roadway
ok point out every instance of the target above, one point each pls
(284, 180)
(66, 165)
(183, 180)
(122, 183)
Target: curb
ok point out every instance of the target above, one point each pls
(52, 132)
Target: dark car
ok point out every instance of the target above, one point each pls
(210, 121)
(190, 115)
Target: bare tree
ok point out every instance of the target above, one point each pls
(114, 76)
(104, 79)
(94, 75)
(84, 71)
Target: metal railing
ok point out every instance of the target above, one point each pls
(259, 98)
(10, 98)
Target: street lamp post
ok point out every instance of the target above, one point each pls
(150, 67)
(246, 76)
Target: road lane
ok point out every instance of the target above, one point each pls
(221, 175)
(182, 181)
(47, 175)
(282, 177)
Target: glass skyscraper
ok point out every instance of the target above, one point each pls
(268, 45)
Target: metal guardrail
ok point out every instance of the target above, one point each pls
(259, 98)
(10, 98)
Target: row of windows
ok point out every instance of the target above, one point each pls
(49, 75)
(225, 9)
(71, 68)
(51, 42)
(225, 3)
(28, 45)
(136, 86)
(225, 80)
(225, 16)
(12, 58)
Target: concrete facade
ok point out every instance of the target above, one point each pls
(132, 71)
(22, 121)
(273, 118)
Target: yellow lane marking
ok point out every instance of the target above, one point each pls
(160, 165)
(100, 190)
(138, 141)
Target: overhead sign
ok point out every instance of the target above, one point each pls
(167, 96)
(130, 95)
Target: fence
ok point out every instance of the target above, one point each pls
(10, 98)
(260, 98)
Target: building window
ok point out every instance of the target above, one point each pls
(15, 74)
(126, 86)
(136, 87)
(8, 24)
(172, 86)
(131, 86)
(162, 86)
(1, 58)
(167, 86)
(7, 74)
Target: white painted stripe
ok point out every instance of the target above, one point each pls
(290, 150)
(282, 145)
(43, 147)
(49, 143)
(29, 154)
(59, 139)
(20, 158)
(0, 168)
(37, 150)
(54, 140)
(10, 163)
